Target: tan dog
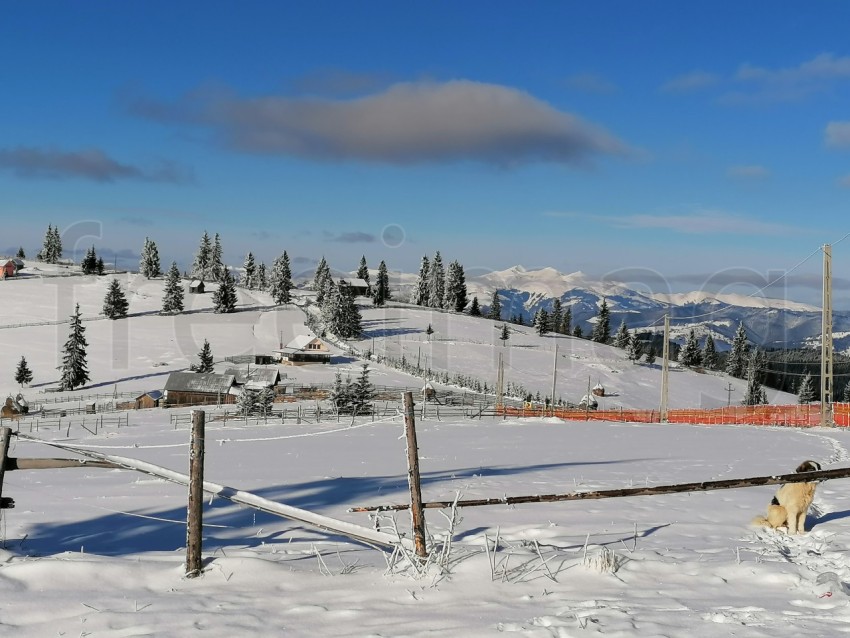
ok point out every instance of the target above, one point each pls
(791, 503)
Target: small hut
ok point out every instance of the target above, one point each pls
(598, 390)
(588, 401)
(196, 287)
(428, 392)
(148, 400)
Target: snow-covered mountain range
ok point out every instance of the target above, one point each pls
(769, 322)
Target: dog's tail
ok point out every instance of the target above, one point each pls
(760, 521)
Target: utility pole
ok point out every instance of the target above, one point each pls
(729, 399)
(554, 377)
(665, 369)
(500, 383)
(826, 341)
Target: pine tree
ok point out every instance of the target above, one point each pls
(635, 348)
(280, 280)
(115, 303)
(205, 359)
(566, 326)
(264, 401)
(474, 308)
(622, 339)
(224, 299)
(578, 332)
(363, 273)
(736, 362)
(651, 354)
(340, 313)
(557, 315)
(429, 331)
(709, 353)
(246, 402)
(249, 278)
(845, 397)
(420, 295)
(73, 371)
(89, 262)
(381, 291)
(755, 394)
(505, 334)
(436, 282)
(341, 394)
(806, 392)
(149, 264)
(362, 393)
(56, 245)
(262, 277)
(217, 268)
(690, 355)
(541, 321)
(21, 254)
(322, 281)
(23, 374)
(100, 268)
(46, 253)
(203, 258)
(456, 294)
(495, 307)
(602, 329)
(172, 299)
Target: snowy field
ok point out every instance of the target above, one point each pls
(99, 552)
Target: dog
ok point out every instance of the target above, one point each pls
(791, 504)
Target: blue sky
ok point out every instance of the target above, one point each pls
(694, 144)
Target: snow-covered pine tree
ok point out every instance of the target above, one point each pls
(651, 354)
(74, 370)
(456, 294)
(635, 348)
(474, 308)
(566, 325)
(362, 392)
(429, 331)
(495, 311)
(203, 258)
(578, 332)
(806, 391)
(845, 396)
(262, 277)
(622, 339)
(249, 278)
(340, 313)
(217, 268)
(363, 273)
(205, 359)
(690, 354)
(280, 280)
(172, 298)
(51, 250)
(340, 395)
(246, 402)
(101, 268)
(602, 329)
(381, 289)
(264, 401)
(709, 353)
(56, 244)
(149, 265)
(436, 282)
(556, 316)
(420, 293)
(143, 257)
(322, 281)
(115, 303)
(21, 254)
(541, 321)
(23, 374)
(736, 362)
(224, 298)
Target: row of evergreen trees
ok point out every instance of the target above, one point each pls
(438, 288)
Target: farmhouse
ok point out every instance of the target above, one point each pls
(255, 377)
(359, 287)
(304, 349)
(191, 388)
(11, 267)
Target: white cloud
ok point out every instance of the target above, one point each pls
(408, 123)
(693, 81)
(837, 134)
(591, 83)
(762, 84)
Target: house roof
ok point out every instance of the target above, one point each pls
(156, 395)
(300, 342)
(357, 283)
(196, 282)
(261, 376)
(209, 383)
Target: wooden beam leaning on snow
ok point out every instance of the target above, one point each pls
(326, 523)
(726, 484)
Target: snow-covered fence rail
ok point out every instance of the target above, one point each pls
(93, 424)
(86, 397)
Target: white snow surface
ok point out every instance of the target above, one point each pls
(99, 552)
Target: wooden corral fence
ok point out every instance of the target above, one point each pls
(92, 424)
(807, 415)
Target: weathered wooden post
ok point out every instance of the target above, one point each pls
(5, 436)
(195, 511)
(417, 512)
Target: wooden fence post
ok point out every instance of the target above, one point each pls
(413, 479)
(5, 436)
(195, 511)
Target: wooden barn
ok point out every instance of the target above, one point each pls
(192, 388)
(255, 377)
(304, 349)
(197, 287)
(148, 400)
(11, 267)
(358, 286)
